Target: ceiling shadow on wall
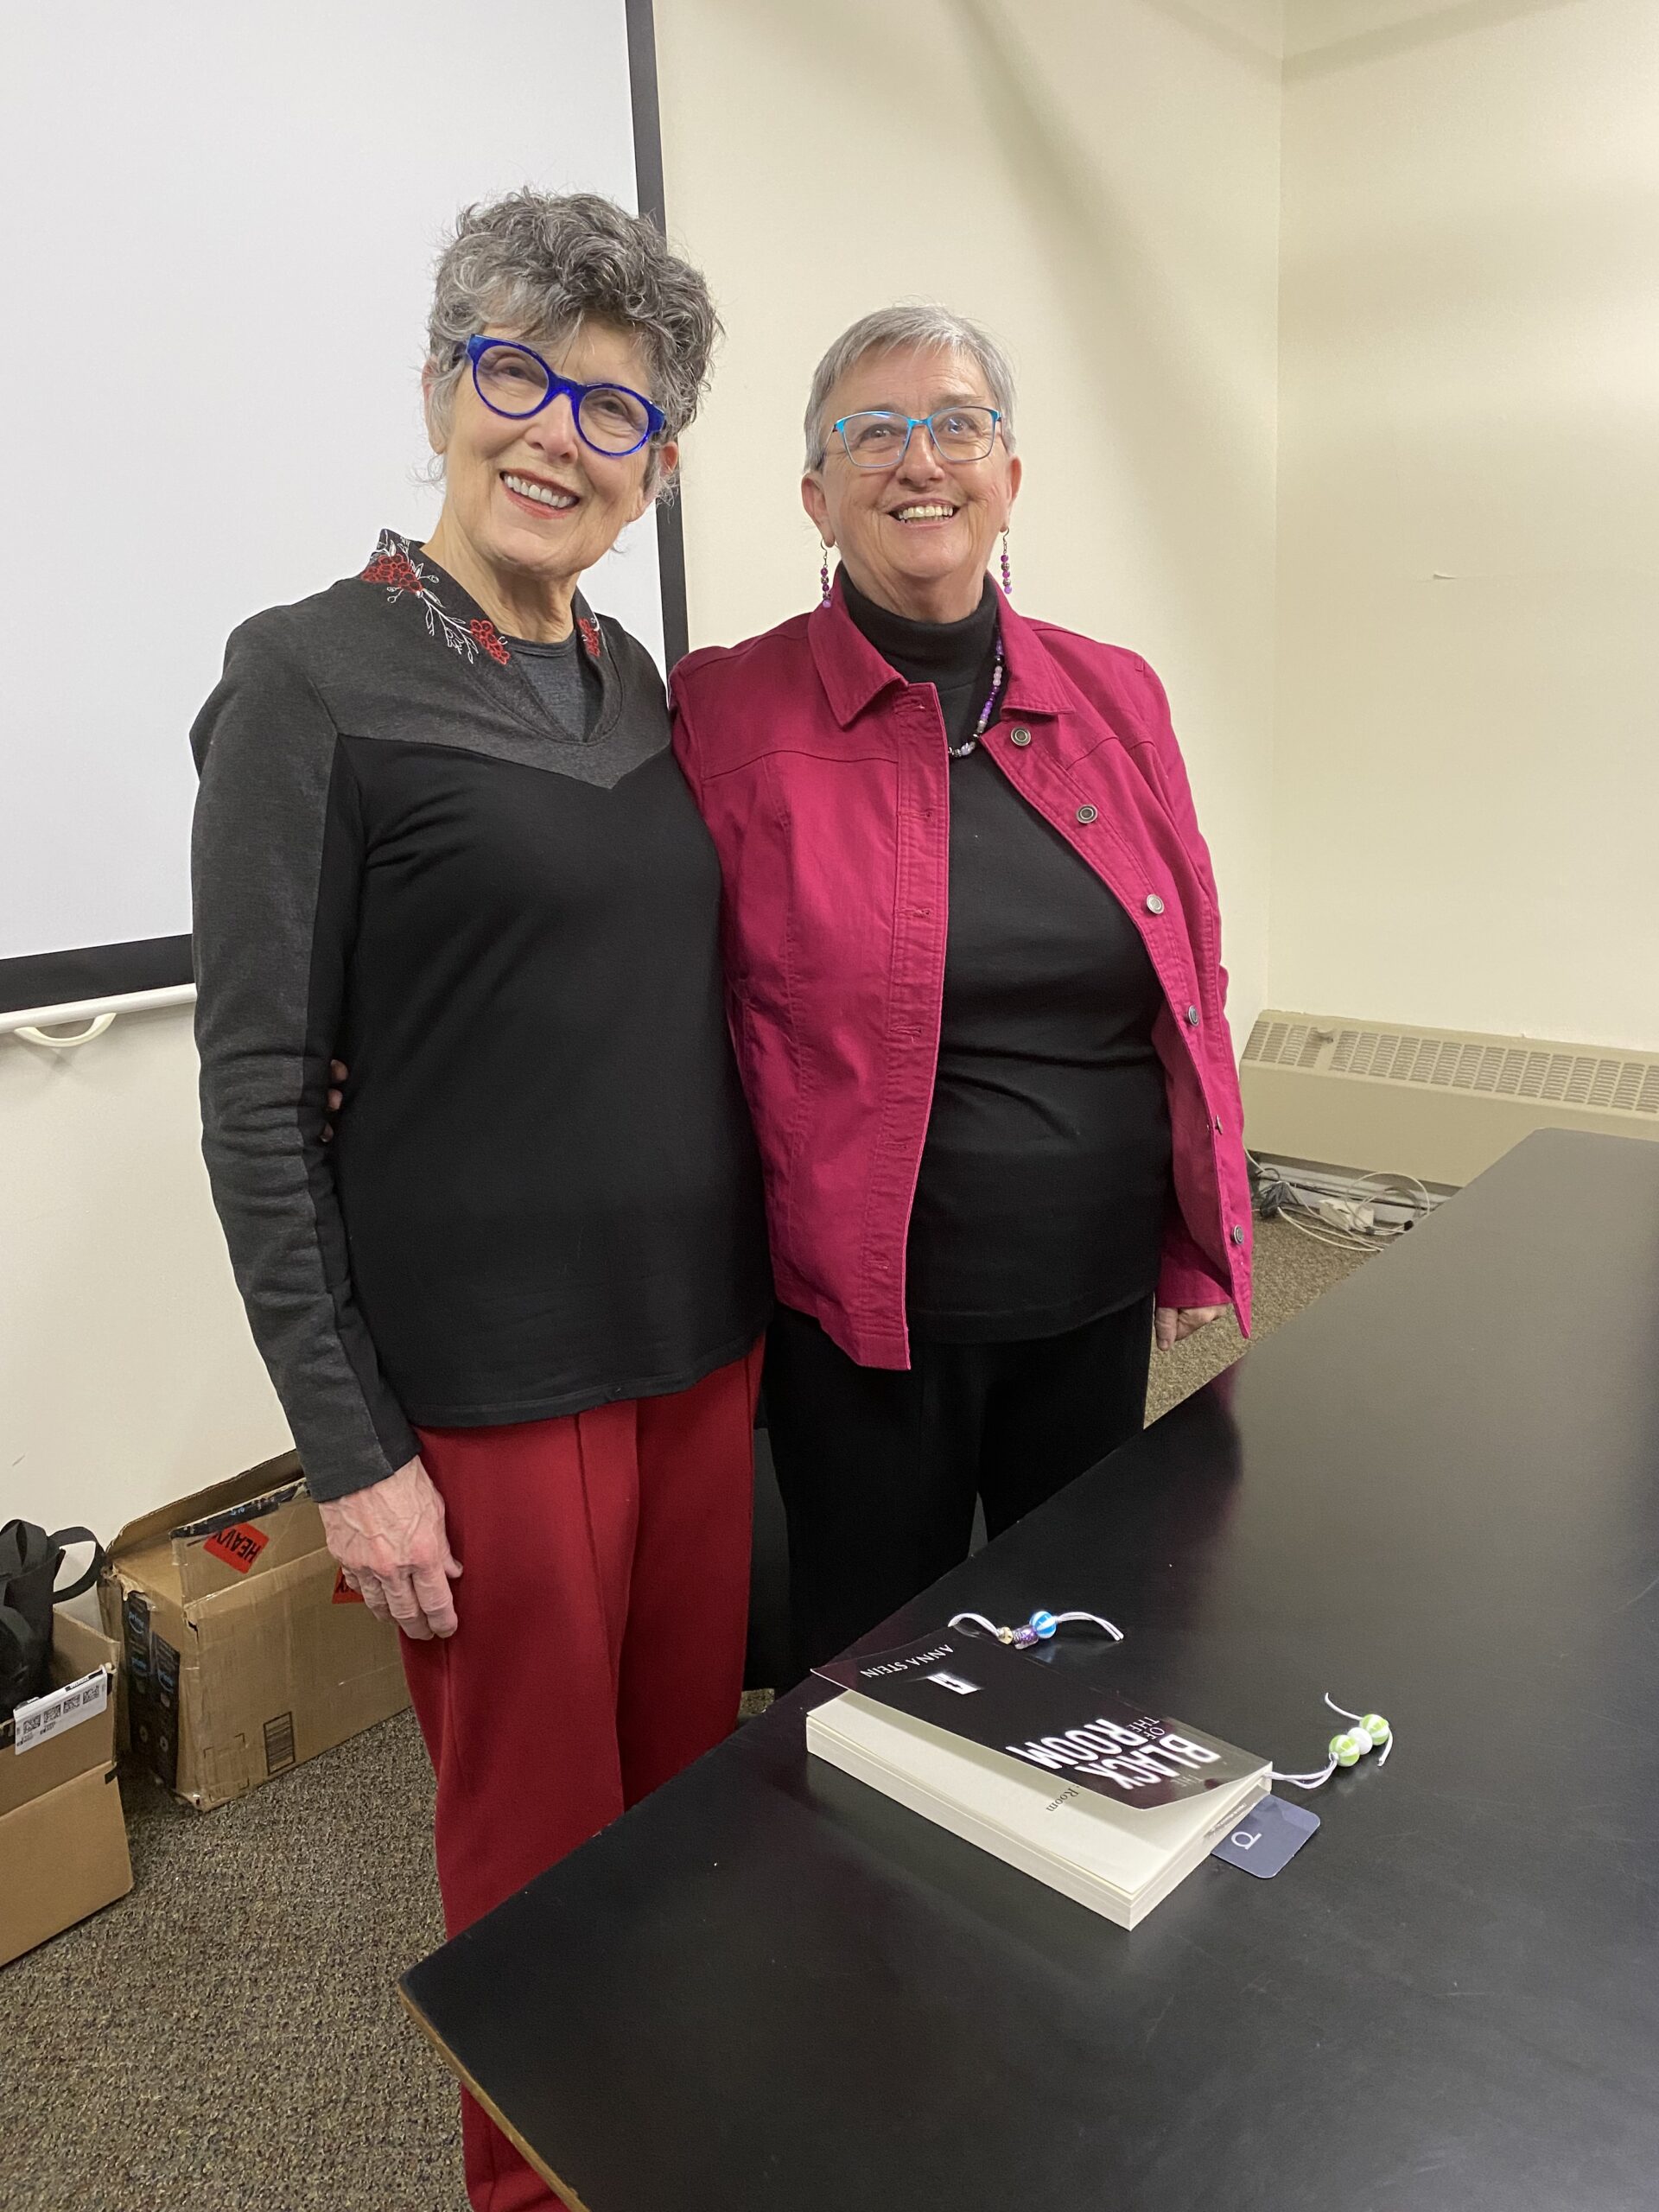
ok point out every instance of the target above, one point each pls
(1427, 29)
(1156, 364)
(1261, 61)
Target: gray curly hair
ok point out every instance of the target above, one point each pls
(913, 322)
(541, 263)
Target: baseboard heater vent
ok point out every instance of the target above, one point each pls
(1441, 1104)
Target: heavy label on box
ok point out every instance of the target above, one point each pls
(238, 1546)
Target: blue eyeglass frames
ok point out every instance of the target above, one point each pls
(876, 438)
(515, 381)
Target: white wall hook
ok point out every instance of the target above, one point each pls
(60, 1043)
(43, 1025)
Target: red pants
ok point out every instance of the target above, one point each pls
(603, 1606)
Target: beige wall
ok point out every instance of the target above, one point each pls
(1466, 777)
(1099, 179)
(127, 1375)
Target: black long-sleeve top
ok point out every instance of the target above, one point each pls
(543, 1192)
(1044, 1179)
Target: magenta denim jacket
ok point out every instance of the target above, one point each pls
(824, 779)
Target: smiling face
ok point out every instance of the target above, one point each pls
(916, 537)
(527, 505)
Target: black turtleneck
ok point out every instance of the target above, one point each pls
(1044, 1179)
(957, 659)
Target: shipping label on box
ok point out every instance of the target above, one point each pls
(63, 1841)
(42, 1717)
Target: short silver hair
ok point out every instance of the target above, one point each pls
(541, 263)
(913, 322)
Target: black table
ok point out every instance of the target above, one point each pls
(1436, 1494)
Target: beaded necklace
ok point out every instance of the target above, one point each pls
(961, 752)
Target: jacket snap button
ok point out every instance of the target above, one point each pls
(1019, 737)
(1154, 903)
(1192, 1017)
(1088, 813)
(1217, 1125)
(1238, 1232)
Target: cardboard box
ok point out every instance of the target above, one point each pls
(63, 1841)
(243, 1650)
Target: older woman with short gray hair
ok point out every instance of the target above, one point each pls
(973, 961)
(511, 1310)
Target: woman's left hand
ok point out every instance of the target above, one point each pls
(1172, 1325)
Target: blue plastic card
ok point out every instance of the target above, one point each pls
(1268, 1837)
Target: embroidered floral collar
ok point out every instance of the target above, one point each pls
(403, 571)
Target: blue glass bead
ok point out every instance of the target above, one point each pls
(1044, 1623)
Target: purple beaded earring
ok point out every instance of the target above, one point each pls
(1007, 573)
(824, 578)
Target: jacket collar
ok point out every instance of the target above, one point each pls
(853, 673)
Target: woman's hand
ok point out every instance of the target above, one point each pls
(1173, 1325)
(391, 1540)
(339, 1071)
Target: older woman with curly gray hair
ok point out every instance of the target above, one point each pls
(511, 1310)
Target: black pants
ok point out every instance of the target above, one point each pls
(879, 1467)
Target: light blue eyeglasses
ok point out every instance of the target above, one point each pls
(877, 439)
(514, 380)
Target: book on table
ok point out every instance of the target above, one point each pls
(1045, 1766)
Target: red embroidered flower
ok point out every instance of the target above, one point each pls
(395, 569)
(590, 636)
(393, 566)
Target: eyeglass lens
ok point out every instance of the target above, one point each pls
(610, 417)
(875, 440)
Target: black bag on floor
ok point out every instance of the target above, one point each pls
(29, 1561)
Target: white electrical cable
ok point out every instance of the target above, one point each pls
(1392, 1180)
(1338, 1239)
(1291, 1208)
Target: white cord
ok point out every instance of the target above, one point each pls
(1116, 1634)
(1338, 1239)
(1285, 1207)
(1307, 1221)
(991, 1629)
(1392, 1180)
(1304, 1781)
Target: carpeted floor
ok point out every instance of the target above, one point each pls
(229, 2039)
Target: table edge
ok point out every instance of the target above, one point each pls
(518, 2143)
